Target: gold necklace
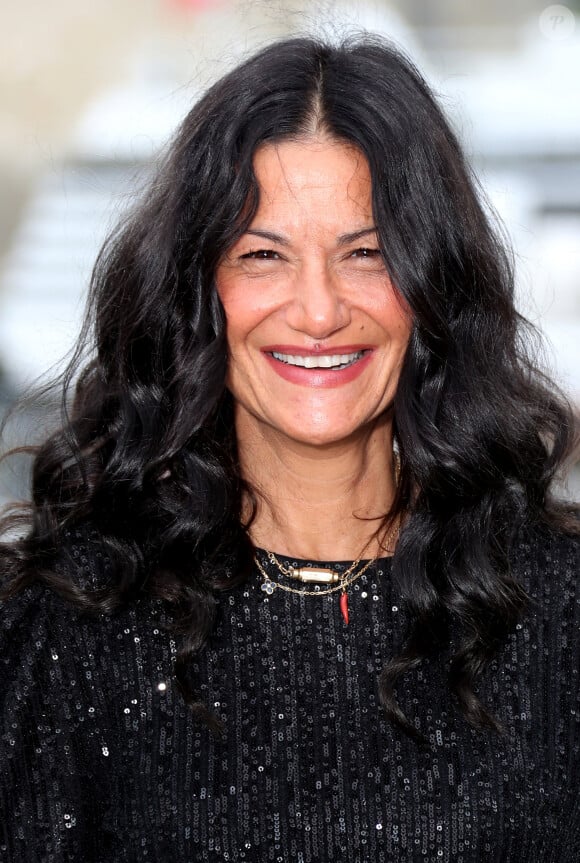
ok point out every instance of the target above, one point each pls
(340, 581)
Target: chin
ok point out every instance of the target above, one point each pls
(324, 436)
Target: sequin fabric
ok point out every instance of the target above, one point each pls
(101, 761)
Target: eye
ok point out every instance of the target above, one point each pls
(365, 253)
(261, 255)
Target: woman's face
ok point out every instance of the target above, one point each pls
(316, 331)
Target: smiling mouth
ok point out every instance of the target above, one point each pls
(334, 362)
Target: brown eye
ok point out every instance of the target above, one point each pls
(365, 253)
(261, 255)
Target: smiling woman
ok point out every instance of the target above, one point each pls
(309, 384)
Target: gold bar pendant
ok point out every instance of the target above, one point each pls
(313, 574)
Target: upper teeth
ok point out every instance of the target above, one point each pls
(315, 362)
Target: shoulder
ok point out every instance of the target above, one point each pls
(67, 605)
(30, 616)
(80, 559)
(58, 658)
(546, 563)
(84, 558)
(80, 564)
(543, 557)
(65, 678)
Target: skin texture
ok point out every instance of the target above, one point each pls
(296, 280)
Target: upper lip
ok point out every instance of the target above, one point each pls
(299, 351)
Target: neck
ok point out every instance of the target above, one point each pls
(319, 503)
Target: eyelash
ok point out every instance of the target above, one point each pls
(261, 254)
(368, 253)
(270, 254)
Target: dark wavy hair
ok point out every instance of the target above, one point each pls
(147, 453)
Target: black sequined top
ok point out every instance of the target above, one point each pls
(101, 761)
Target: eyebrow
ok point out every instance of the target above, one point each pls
(343, 239)
(269, 235)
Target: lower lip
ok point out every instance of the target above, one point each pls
(319, 377)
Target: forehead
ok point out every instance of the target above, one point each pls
(312, 173)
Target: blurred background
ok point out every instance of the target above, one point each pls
(90, 90)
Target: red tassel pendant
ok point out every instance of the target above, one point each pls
(344, 605)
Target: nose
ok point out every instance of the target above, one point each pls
(317, 307)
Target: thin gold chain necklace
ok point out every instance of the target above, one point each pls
(339, 581)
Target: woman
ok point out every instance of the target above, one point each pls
(293, 585)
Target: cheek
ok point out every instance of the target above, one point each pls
(398, 315)
(392, 314)
(243, 300)
(246, 308)
(403, 327)
(239, 325)
(234, 310)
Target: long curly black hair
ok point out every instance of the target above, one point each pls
(147, 452)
